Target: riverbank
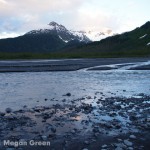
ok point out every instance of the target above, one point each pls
(113, 123)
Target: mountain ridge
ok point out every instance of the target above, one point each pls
(43, 40)
(60, 40)
(135, 40)
(60, 30)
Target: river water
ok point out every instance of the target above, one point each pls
(32, 88)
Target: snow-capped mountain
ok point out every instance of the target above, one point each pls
(63, 33)
(56, 38)
(68, 35)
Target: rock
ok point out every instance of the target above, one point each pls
(89, 97)
(106, 125)
(104, 146)
(10, 148)
(46, 116)
(112, 114)
(37, 109)
(98, 102)
(70, 108)
(2, 114)
(68, 94)
(85, 149)
(8, 110)
(73, 114)
(148, 119)
(73, 131)
(87, 107)
(10, 117)
(96, 129)
(130, 148)
(118, 148)
(128, 143)
(44, 138)
(86, 142)
(141, 94)
(51, 135)
(132, 137)
(64, 100)
(20, 149)
(133, 118)
(96, 135)
(53, 130)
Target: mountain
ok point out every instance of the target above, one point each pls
(59, 41)
(63, 33)
(136, 41)
(53, 38)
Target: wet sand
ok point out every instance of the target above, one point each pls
(63, 64)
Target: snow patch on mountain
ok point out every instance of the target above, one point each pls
(63, 39)
(143, 36)
(80, 34)
(148, 44)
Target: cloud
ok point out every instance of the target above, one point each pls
(3, 2)
(39, 6)
(10, 35)
(25, 15)
(20, 16)
(96, 20)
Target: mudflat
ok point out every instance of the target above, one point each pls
(62, 64)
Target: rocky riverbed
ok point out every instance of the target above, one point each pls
(103, 105)
(87, 123)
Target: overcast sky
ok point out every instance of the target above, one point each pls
(20, 16)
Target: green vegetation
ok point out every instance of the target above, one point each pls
(137, 53)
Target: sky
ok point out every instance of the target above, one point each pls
(20, 16)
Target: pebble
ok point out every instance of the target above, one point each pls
(132, 136)
(128, 143)
(8, 110)
(86, 142)
(104, 146)
(53, 130)
(89, 97)
(73, 131)
(44, 137)
(64, 100)
(118, 148)
(130, 148)
(68, 94)
(2, 114)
